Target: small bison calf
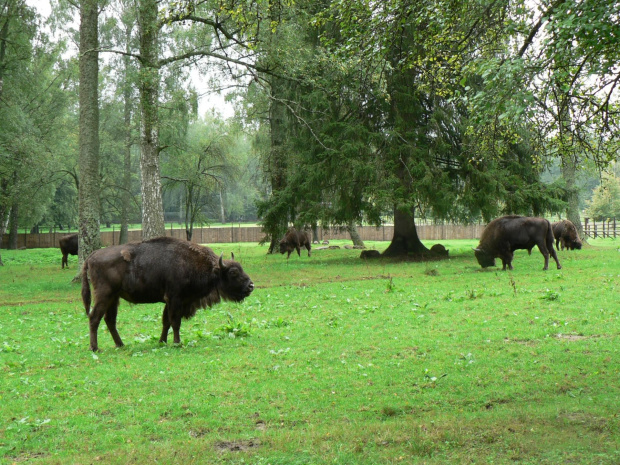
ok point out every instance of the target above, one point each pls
(295, 240)
(182, 275)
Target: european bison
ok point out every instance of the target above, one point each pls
(295, 240)
(68, 245)
(182, 275)
(566, 235)
(504, 235)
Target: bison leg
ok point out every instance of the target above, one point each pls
(555, 257)
(298, 251)
(507, 261)
(64, 261)
(308, 247)
(94, 318)
(175, 308)
(110, 321)
(165, 321)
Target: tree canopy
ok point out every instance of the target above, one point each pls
(358, 111)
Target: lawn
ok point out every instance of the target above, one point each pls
(332, 360)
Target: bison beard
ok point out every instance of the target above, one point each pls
(182, 275)
(68, 245)
(504, 235)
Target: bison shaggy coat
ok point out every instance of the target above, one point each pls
(68, 245)
(182, 275)
(566, 235)
(504, 235)
(295, 240)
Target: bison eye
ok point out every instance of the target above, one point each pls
(233, 272)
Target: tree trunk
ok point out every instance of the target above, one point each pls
(315, 233)
(3, 214)
(152, 204)
(569, 173)
(405, 241)
(222, 212)
(355, 237)
(13, 226)
(126, 192)
(277, 161)
(89, 208)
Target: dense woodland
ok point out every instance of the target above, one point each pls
(345, 112)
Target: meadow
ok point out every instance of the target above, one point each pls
(332, 360)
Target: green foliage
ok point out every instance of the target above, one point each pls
(605, 202)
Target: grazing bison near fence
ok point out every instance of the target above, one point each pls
(295, 240)
(566, 235)
(504, 235)
(68, 245)
(182, 275)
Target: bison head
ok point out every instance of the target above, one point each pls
(234, 283)
(283, 246)
(484, 258)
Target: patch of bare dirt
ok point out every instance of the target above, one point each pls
(237, 446)
(572, 337)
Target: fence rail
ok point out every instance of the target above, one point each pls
(254, 234)
(602, 229)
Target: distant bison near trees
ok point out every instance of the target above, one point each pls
(182, 275)
(295, 240)
(566, 235)
(504, 235)
(68, 245)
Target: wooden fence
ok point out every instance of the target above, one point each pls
(254, 234)
(602, 229)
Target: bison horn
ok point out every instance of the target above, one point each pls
(476, 250)
(232, 255)
(221, 262)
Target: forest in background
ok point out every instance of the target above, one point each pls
(346, 112)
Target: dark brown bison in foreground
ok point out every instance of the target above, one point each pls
(68, 245)
(182, 275)
(295, 240)
(566, 235)
(504, 235)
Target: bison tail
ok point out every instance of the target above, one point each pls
(86, 288)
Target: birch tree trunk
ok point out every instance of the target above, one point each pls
(89, 207)
(13, 226)
(152, 203)
(126, 193)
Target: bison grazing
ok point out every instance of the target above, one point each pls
(182, 275)
(504, 235)
(295, 240)
(68, 245)
(566, 235)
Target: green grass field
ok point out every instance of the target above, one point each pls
(332, 360)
